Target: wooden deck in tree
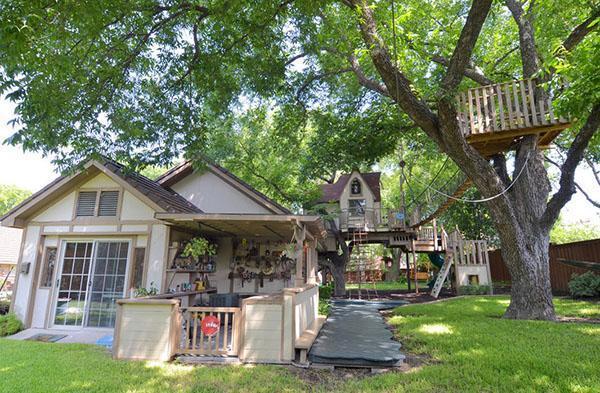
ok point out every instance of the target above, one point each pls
(493, 118)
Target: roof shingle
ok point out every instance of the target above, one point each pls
(332, 192)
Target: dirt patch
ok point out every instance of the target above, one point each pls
(411, 297)
(332, 379)
(328, 378)
(577, 320)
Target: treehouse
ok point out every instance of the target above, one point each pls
(493, 118)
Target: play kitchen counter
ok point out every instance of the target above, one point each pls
(191, 295)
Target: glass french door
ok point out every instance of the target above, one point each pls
(108, 283)
(91, 280)
(72, 290)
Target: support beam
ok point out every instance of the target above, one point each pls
(414, 258)
(408, 272)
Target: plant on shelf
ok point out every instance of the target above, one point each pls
(143, 292)
(199, 247)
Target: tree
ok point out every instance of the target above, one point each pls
(11, 196)
(563, 233)
(144, 80)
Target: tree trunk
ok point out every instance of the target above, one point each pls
(338, 270)
(528, 264)
(394, 272)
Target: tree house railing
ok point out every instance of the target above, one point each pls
(505, 106)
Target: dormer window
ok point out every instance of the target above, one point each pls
(355, 187)
(97, 203)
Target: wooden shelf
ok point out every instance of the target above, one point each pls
(182, 294)
(188, 271)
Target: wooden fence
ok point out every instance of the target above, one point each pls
(560, 273)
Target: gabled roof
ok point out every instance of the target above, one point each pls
(151, 192)
(185, 169)
(332, 192)
(163, 196)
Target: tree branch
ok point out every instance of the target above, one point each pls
(364, 80)
(397, 83)
(461, 56)
(529, 55)
(594, 170)
(499, 163)
(581, 31)
(585, 194)
(315, 77)
(574, 156)
(471, 72)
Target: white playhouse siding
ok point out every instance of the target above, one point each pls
(213, 195)
(56, 224)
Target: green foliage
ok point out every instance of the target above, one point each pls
(585, 285)
(143, 292)
(9, 324)
(325, 291)
(11, 196)
(463, 343)
(562, 233)
(198, 247)
(154, 171)
(474, 290)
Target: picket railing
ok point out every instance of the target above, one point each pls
(223, 340)
(504, 107)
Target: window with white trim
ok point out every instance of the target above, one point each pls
(97, 203)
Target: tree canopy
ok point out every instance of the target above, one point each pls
(146, 81)
(10, 196)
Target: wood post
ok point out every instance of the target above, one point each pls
(408, 272)
(414, 257)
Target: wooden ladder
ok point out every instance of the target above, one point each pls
(358, 239)
(442, 275)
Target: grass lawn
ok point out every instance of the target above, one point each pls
(470, 349)
(388, 285)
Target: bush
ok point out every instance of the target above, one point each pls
(585, 285)
(325, 291)
(474, 290)
(4, 306)
(9, 324)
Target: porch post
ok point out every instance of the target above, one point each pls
(311, 263)
(299, 236)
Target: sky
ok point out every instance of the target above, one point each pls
(32, 171)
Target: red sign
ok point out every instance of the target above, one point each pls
(210, 325)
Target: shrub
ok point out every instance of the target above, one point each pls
(585, 285)
(9, 324)
(474, 290)
(4, 306)
(325, 291)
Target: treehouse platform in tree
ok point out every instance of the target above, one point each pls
(495, 117)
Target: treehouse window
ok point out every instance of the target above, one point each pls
(357, 207)
(356, 187)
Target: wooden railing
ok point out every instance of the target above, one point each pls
(226, 338)
(372, 218)
(468, 252)
(505, 106)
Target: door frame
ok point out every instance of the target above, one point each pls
(62, 244)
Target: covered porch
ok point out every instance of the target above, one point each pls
(260, 301)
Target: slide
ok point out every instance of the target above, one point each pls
(438, 261)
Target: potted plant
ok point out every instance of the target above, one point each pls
(199, 247)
